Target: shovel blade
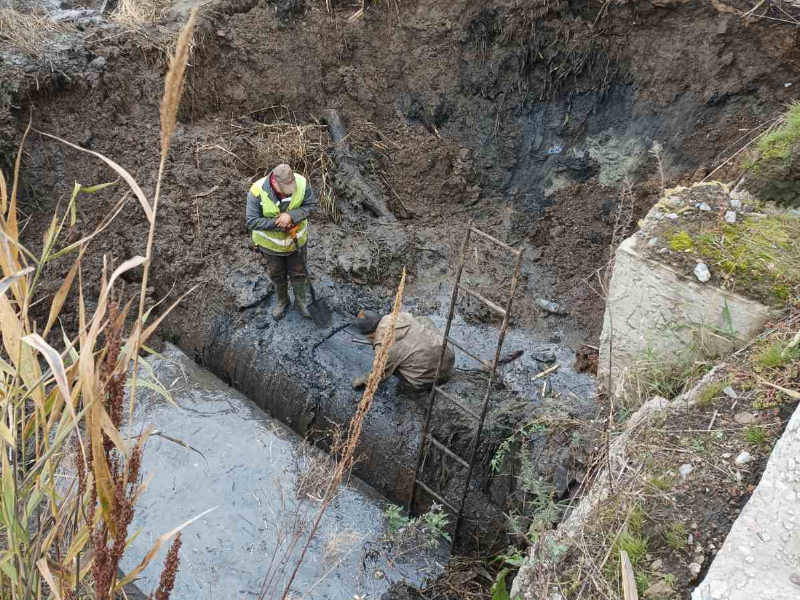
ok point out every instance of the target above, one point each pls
(320, 313)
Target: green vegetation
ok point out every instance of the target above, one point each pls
(711, 392)
(756, 435)
(776, 354)
(663, 483)
(676, 535)
(779, 142)
(681, 242)
(757, 257)
(427, 530)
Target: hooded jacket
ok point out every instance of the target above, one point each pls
(415, 352)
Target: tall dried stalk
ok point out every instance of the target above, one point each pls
(173, 88)
(345, 463)
(52, 538)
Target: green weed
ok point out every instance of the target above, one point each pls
(779, 142)
(756, 435)
(662, 483)
(773, 355)
(710, 393)
(681, 242)
(676, 535)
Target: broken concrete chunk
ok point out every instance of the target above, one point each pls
(702, 273)
(744, 418)
(551, 307)
(652, 241)
(736, 204)
(703, 206)
(743, 458)
(730, 392)
(672, 216)
(730, 216)
(685, 470)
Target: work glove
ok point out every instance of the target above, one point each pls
(359, 382)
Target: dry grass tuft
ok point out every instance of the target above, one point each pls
(27, 32)
(304, 147)
(136, 13)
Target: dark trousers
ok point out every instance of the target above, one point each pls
(281, 267)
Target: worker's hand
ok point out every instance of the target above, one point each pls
(284, 221)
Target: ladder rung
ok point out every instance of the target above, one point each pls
(446, 450)
(494, 240)
(495, 307)
(436, 496)
(469, 353)
(455, 401)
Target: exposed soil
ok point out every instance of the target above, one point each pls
(530, 119)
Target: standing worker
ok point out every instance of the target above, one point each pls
(415, 353)
(276, 204)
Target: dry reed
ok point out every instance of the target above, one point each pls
(304, 147)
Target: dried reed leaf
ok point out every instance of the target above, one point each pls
(44, 569)
(61, 295)
(156, 546)
(9, 281)
(11, 225)
(120, 170)
(173, 85)
(53, 359)
(20, 354)
(113, 433)
(3, 196)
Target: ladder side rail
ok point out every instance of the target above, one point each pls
(432, 396)
(479, 430)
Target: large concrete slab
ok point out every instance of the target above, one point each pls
(250, 467)
(760, 559)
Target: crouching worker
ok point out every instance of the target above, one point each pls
(415, 353)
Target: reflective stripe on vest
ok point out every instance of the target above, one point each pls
(277, 240)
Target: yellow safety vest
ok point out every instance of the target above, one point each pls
(277, 240)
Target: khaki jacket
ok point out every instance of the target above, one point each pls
(415, 352)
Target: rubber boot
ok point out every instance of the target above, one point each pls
(299, 288)
(281, 301)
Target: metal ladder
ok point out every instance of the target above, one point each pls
(438, 391)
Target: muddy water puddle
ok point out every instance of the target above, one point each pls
(265, 483)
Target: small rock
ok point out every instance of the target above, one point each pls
(730, 216)
(545, 356)
(659, 591)
(662, 250)
(379, 574)
(736, 204)
(220, 33)
(726, 455)
(703, 206)
(672, 216)
(744, 418)
(699, 549)
(690, 539)
(98, 63)
(652, 241)
(699, 559)
(702, 273)
(657, 565)
(686, 470)
(743, 458)
(730, 392)
(551, 307)
(694, 569)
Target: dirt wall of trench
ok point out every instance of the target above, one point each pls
(525, 117)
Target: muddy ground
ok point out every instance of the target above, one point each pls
(529, 118)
